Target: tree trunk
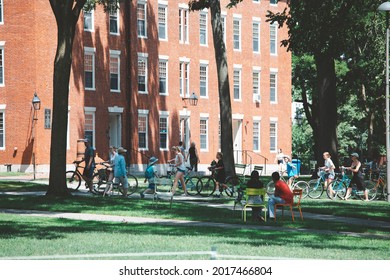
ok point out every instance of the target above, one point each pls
(66, 17)
(223, 88)
(327, 108)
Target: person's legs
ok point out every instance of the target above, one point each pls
(109, 184)
(183, 184)
(175, 182)
(272, 200)
(125, 186)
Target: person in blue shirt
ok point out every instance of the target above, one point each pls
(292, 171)
(120, 172)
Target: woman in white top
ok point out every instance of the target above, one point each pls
(181, 169)
(112, 154)
(329, 169)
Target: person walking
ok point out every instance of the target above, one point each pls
(255, 183)
(220, 175)
(180, 170)
(120, 172)
(150, 175)
(279, 159)
(89, 158)
(112, 153)
(329, 169)
(357, 177)
(282, 194)
(193, 156)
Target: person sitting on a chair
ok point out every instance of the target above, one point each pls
(282, 194)
(255, 183)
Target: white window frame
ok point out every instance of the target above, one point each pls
(91, 111)
(256, 71)
(90, 19)
(237, 19)
(114, 16)
(204, 132)
(143, 113)
(223, 19)
(256, 21)
(2, 125)
(273, 4)
(2, 64)
(164, 115)
(163, 59)
(116, 55)
(273, 39)
(1, 12)
(184, 78)
(91, 52)
(237, 84)
(142, 4)
(203, 28)
(163, 25)
(143, 57)
(273, 134)
(273, 84)
(184, 19)
(256, 134)
(204, 63)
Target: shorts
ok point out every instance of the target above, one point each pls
(280, 161)
(329, 176)
(183, 171)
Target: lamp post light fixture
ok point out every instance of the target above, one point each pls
(36, 103)
(385, 7)
(193, 99)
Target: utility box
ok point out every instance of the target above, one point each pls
(297, 164)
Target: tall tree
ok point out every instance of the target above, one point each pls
(66, 13)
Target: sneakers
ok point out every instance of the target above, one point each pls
(142, 194)
(184, 194)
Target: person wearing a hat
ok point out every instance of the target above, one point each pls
(89, 158)
(357, 177)
(150, 175)
(120, 171)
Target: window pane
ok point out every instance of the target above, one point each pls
(1, 130)
(142, 129)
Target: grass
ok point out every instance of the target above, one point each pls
(37, 236)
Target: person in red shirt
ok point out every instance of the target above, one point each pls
(282, 194)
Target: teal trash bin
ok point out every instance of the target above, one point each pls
(297, 164)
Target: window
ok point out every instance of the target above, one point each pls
(184, 79)
(143, 129)
(2, 130)
(256, 135)
(256, 84)
(114, 71)
(162, 22)
(256, 1)
(1, 11)
(47, 118)
(273, 136)
(163, 76)
(256, 36)
(203, 133)
(237, 34)
(183, 25)
(163, 127)
(203, 28)
(237, 84)
(142, 73)
(273, 2)
(273, 84)
(141, 19)
(273, 39)
(1, 65)
(114, 22)
(89, 125)
(89, 68)
(203, 77)
(88, 20)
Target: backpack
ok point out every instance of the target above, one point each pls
(149, 172)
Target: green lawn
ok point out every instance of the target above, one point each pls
(38, 236)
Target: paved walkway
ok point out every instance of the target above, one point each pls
(208, 202)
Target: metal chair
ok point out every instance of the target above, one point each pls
(296, 203)
(254, 192)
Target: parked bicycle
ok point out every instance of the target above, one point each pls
(304, 186)
(377, 186)
(207, 185)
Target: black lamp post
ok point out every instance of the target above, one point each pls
(193, 99)
(36, 103)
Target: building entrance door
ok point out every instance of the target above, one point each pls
(237, 140)
(115, 130)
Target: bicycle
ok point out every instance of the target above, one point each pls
(377, 186)
(304, 186)
(191, 182)
(74, 177)
(208, 184)
(100, 180)
(342, 182)
(317, 186)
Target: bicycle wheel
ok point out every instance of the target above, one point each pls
(316, 188)
(372, 190)
(98, 183)
(304, 186)
(340, 189)
(233, 183)
(132, 182)
(328, 192)
(73, 180)
(207, 184)
(191, 185)
(270, 188)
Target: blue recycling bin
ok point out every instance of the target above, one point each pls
(297, 164)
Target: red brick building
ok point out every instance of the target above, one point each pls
(130, 73)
